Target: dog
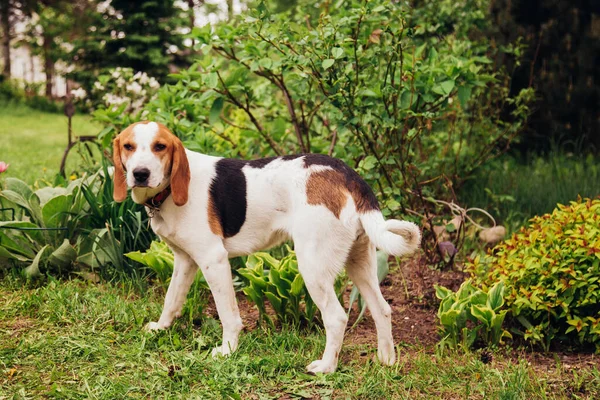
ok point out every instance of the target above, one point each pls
(208, 209)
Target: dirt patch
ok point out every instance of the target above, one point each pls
(409, 289)
(15, 327)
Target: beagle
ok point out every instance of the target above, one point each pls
(208, 209)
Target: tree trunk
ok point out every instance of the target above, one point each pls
(5, 21)
(48, 66)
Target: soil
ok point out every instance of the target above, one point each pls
(409, 289)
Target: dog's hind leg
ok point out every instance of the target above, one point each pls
(321, 254)
(361, 267)
(184, 271)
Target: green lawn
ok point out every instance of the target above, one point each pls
(33, 142)
(77, 340)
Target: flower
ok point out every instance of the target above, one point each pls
(3, 166)
(79, 93)
(134, 87)
(154, 83)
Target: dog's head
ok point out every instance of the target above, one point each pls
(147, 158)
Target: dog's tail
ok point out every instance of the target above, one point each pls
(393, 236)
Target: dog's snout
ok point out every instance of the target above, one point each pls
(141, 175)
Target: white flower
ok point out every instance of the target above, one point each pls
(98, 86)
(120, 82)
(153, 83)
(137, 75)
(144, 78)
(115, 74)
(134, 87)
(79, 93)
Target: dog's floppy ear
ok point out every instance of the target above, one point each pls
(180, 174)
(119, 184)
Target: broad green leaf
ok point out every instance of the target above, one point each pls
(211, 80)
(483, 314)
(297, 286)
(63, 256)
(55, 209)
(33, 269)
(464, 94)
(495, 296)
(337, 52)
(215, 111)
(327, 63)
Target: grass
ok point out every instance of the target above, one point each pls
(33, 142)
(515, 191)
(74, 340)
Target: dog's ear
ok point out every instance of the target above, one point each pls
(180, 174)
(119, 184)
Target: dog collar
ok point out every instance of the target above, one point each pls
(155, 202)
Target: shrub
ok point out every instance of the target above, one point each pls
(118, 87)
(551, 270)
(471, 315)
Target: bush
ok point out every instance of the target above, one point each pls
(10, 91)
(551, 270)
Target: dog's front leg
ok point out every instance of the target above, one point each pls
(214, 264)
(184, 271)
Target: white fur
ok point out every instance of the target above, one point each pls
(143, 157)
(278, 210)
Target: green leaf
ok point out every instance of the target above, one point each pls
(33, 269)
(442, 292)
(464, 94)
(444, 88)
(215, 111)
(328, 63)
(495, 296)
(483, 314)
(4, 253)
(55, 209)
(337, 52)
(297, 285)
(64, 256)
(449, 317)
(211, 80)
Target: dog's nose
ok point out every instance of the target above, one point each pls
(141, 175)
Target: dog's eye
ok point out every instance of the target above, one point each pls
(128, 147)
(159, 147)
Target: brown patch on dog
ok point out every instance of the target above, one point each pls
(213, 219)
(327, 188)
(363, 196)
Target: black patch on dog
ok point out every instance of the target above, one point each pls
(261, 162)
(228, 193)
(361, 192)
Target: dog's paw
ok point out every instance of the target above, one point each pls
(387, 354)
(153, 326)
(319, 366)
(221, 351)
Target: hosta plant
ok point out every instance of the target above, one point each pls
(37, 232)
(279, 282)
(470, 315)
(551, 270)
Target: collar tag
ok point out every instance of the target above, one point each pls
(153, 204)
